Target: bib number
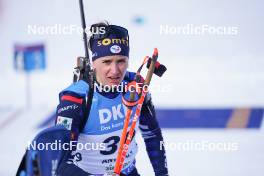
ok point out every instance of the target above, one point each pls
(111, 144)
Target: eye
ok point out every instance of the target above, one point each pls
(121, 61)
(107, 62)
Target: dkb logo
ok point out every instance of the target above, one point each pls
(105, 115)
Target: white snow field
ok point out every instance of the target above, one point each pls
(210, 70)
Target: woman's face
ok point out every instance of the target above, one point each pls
(110, 70)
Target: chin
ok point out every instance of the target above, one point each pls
(114, 84)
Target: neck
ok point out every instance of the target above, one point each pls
(107, 91)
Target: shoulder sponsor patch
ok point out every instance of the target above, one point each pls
(66, 108)
(65, 121)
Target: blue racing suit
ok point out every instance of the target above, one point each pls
(97, 144)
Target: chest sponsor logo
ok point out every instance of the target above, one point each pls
(115, 113)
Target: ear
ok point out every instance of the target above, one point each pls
(94, 65)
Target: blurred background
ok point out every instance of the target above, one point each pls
(211, 93)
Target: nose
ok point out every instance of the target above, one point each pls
(114, 69)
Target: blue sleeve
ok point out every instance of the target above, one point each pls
(152, 136)
(70, 111)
